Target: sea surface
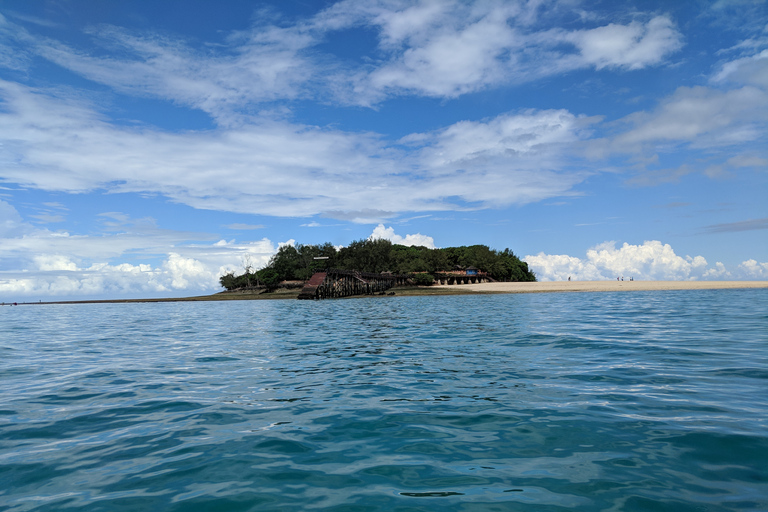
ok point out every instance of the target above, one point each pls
(634, 401)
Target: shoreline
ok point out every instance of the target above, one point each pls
(610, 286)
(462, 289)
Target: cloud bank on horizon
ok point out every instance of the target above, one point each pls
(139, 153)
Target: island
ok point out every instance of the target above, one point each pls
(367, 267)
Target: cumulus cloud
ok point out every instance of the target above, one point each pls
(650, 261)
(194, 269)
(383, 233)
(719, 272)
(754, 270)
(53, 262)
(41, 264)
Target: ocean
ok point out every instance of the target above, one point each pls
(633, 401)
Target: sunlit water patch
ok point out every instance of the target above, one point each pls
(590, 401)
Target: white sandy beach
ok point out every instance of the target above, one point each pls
(606, 286)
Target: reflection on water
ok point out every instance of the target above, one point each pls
(629, 401)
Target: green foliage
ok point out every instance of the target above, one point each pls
(298, 262)
(228, 281)
(423, 279)
(366, 256)
(232, 282)
(269, 277)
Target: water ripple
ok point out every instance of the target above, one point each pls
(633, 401)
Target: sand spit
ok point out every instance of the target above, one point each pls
(465, 289)
(606, 286)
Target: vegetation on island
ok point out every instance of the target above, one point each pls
(299, 262)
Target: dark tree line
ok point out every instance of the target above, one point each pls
(298, 262)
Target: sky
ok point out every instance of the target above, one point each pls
(147, 148)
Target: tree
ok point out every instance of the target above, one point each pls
(228, 281)
(437, 260)
(248, 267)
(423, 279)
(269, 277)
(365, 255)
(286, 262)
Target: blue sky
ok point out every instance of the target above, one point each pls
(146, 148)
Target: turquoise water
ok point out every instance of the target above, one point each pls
(641, 401)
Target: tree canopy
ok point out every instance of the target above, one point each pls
(298, 262)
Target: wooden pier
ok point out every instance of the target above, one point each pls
(454, 278)
(336, 283)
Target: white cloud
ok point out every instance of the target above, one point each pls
(62, 144)
(13, 54)
(699, 116)
(729, 116)
(722, 128)
(508, 135)
(650, 261)
(40, 264)
(754, 270)
(383, 233)
(446, 49)
(54, 262)
(262, 65)
(717, 273)
(633, 46)
(434, 48)
(252, 165)
(11, 223)
(453, 61)
(182, 271)
(512, 158)
(750, 70)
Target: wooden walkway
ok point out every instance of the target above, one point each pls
(335, 283)
(453, 278)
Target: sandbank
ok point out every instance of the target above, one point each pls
(604, 286)
(463, 289)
